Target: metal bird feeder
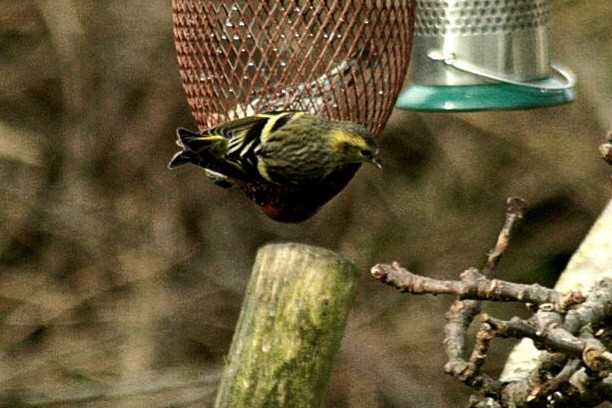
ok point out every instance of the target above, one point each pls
(344, 60)
(482, 55)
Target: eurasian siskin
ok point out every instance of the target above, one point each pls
(288, 148)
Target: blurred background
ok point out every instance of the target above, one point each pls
(121, 281)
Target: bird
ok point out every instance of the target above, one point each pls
(286, 148)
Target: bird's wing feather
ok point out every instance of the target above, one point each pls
(242, 140)
(231, 128)
(194, 141)
(247, 133)
(245, 143)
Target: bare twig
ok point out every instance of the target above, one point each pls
(576, 363)
(475, 286)
(560, 379)
(514, 212)
(484, 336)
(594, 310)
(459, 317)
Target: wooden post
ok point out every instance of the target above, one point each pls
(292, 320)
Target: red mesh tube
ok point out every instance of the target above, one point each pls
(344, 60)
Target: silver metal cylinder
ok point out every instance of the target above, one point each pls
(466, 42)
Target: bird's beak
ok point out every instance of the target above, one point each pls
(377, 163)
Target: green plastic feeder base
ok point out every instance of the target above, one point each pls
(479, 97)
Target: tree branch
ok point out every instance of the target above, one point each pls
(576, 363)
(475, 286)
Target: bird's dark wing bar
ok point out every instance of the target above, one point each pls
(243, 146)
(281, 121)
(237, 126)
(276, 122)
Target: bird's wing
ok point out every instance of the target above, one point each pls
(233, 127)
(242, 140)
(246, 142)
(243, 135)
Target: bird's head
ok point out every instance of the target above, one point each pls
(355, 144)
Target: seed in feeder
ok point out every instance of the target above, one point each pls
(228, 23)
(366, 21)
(250, 64)
(283, 64)
(241, 23)
(235, 37)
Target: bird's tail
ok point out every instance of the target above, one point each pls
(194, 141)
(183, 157)
(193, 144)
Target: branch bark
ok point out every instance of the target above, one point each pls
(569, 327)
(591, 263)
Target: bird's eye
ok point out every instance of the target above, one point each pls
(366, 153)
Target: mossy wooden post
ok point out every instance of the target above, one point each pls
(292, 320)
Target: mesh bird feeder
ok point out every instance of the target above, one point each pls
(343, 60)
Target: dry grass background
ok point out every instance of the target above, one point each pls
(120, 281)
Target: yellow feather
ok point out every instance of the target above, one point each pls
(339, 137)
(211, 138)
(265, 132)
(263, 171)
